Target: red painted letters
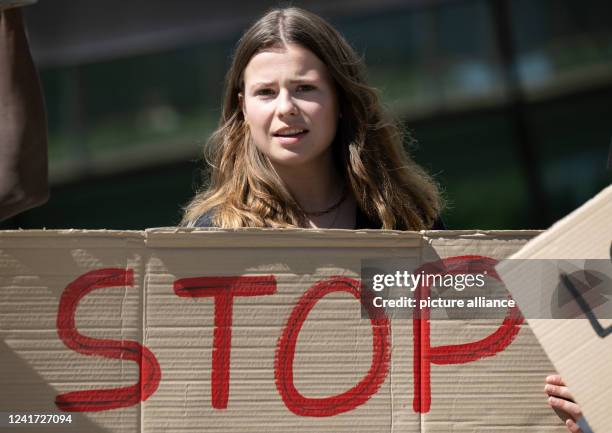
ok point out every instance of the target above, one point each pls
(223, 289)
(103, 399)
(285, 353)
(425, 355)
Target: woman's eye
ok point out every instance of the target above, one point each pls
(264, 92)
(305, 88)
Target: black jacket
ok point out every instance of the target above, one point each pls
(362, 222)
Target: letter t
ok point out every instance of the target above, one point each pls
(223, 289)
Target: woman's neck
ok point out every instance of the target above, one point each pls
(321, 192)
(316, 186)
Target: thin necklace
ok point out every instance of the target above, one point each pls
(333, 222)
(336, 205)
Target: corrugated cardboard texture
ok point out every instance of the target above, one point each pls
(500, 392)
(35, 267)
(582, 357)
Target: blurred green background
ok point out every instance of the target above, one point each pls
(509, 103)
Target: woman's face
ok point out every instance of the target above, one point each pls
(290, 105)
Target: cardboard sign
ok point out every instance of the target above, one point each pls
(252, 331)
(580, 348)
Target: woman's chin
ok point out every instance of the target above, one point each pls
(298, 156)
(291, 161)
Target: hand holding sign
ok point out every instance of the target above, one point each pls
(578, 347)
(560, 399)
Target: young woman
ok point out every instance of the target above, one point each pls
(303, 140)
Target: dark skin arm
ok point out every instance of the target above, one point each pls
(23, 123)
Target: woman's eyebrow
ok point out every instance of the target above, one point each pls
(299, 80)
(304, 80)
(263, 84)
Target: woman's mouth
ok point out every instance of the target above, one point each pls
(290, 132)
(290, 135)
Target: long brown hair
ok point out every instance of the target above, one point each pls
(244, 189)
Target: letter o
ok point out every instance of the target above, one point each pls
(285, 354)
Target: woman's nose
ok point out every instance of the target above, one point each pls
(286, 104)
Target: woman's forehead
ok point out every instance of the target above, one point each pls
(289, 61)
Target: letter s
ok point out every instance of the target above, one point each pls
(103, 399)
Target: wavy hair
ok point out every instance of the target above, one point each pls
(244, 189)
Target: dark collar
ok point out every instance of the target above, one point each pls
(363, 222)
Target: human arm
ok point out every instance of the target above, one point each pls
(23, 125)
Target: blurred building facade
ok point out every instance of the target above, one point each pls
(508, 102)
